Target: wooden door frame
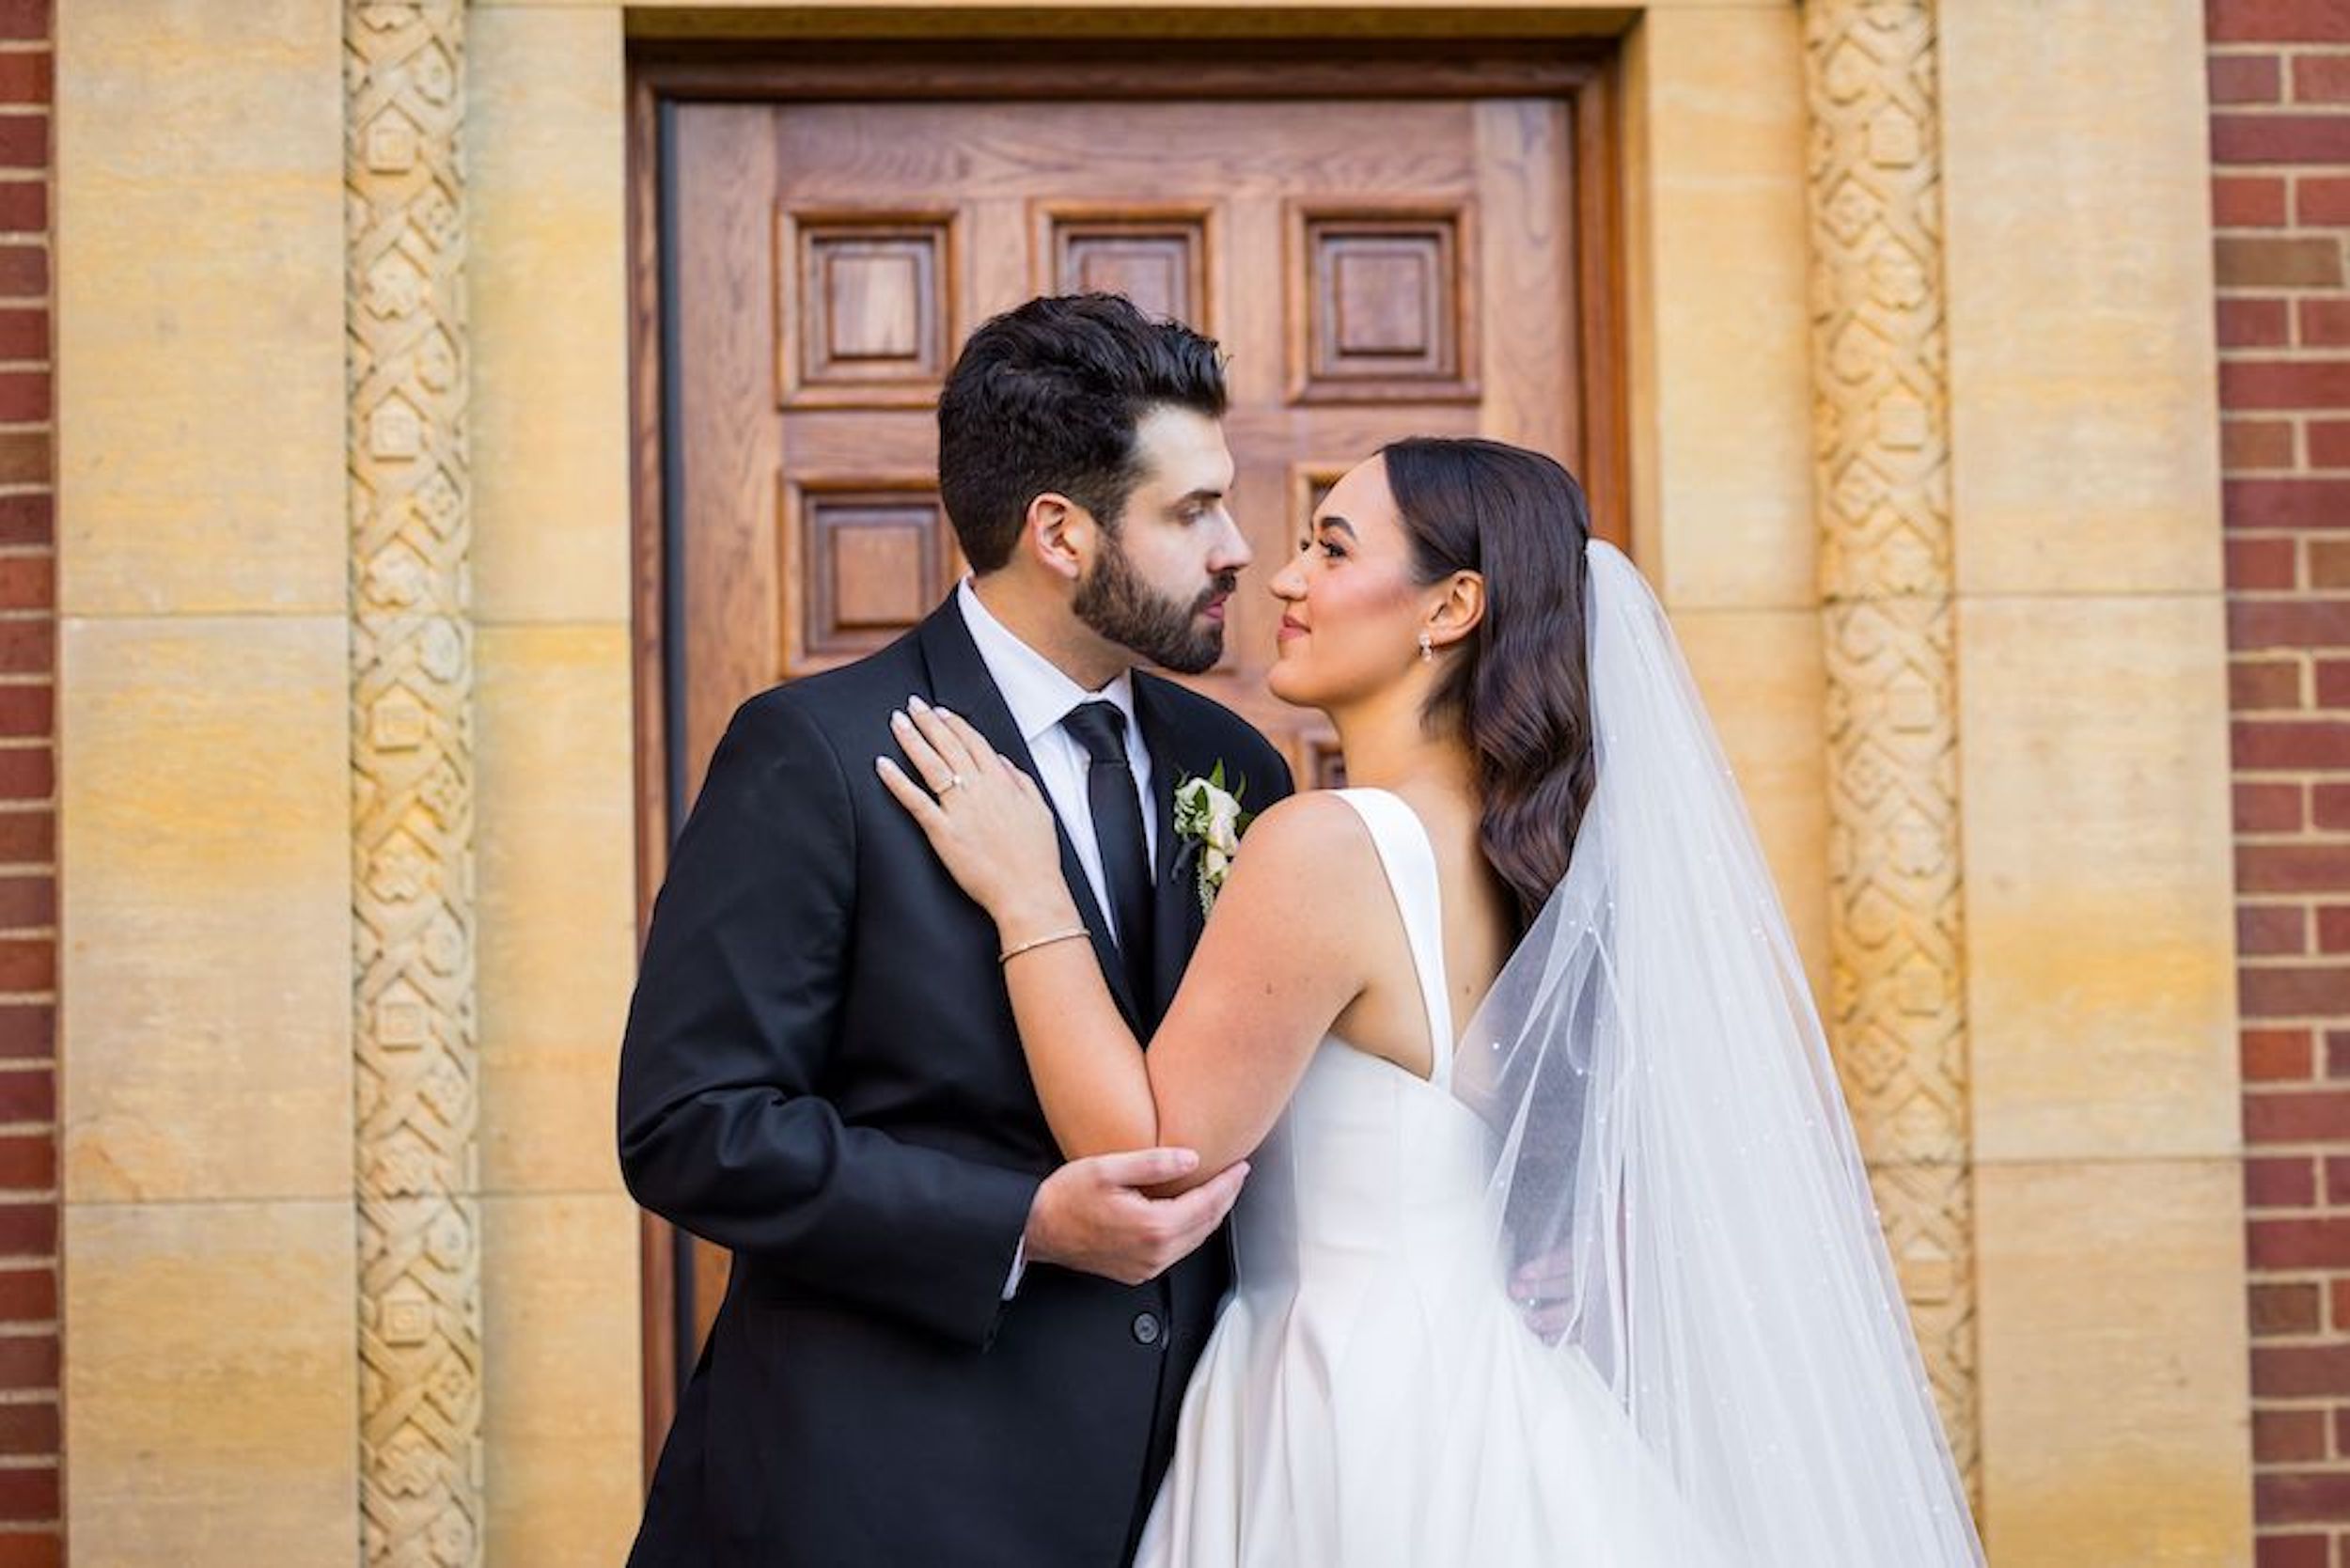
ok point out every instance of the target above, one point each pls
(1581, 71)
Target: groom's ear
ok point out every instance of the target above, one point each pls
(1059, 534)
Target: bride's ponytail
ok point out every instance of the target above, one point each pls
(1518, 690)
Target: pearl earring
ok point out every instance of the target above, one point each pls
(1426, 646)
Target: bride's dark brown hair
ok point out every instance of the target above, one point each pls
(1518, 689)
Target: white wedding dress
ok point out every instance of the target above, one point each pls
(1371, 1396)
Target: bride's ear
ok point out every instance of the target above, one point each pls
(1459, 608)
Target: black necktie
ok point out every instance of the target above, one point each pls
(1110, 796)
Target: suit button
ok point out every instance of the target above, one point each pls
(1146, 1328)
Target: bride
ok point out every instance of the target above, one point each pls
(1638, 1121)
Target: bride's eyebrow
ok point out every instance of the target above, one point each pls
(1340, 523)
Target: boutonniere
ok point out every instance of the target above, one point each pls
(1209, 820)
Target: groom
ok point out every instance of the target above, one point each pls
(940, 1343)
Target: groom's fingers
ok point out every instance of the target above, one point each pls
(1194, 1213)
(1145, 1167)
(1223, 1191)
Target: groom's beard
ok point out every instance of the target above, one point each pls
(1115, 600)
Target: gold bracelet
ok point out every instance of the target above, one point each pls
(1011, 954)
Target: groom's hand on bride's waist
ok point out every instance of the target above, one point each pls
(1095, 1215)
(1543, 1288)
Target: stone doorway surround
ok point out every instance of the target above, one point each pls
(1923, 438)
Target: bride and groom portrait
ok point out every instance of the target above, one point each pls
(1128, 1156)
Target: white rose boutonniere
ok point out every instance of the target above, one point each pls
(1209, 820)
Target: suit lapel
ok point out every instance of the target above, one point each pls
(1177, 919)
(959, 681)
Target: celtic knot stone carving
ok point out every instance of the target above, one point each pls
(1882, 449)
(415, 1166)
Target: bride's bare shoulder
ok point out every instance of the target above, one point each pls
(1308, 820)
(1311, 849)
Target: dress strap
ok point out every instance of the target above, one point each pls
(1408, 856)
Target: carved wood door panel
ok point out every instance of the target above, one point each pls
(1375, 267)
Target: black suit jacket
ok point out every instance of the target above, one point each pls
(820, 1073)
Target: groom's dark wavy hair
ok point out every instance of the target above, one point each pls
(1046, 397)
(1519, 690)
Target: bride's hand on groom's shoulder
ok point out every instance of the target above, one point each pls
(1097, 1216)
(987, 820)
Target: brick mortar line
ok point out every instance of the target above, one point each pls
(2289, 353)
(2299, 1148)
(2291, 168)
(2331, 842)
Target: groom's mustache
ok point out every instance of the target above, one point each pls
(1226, 583)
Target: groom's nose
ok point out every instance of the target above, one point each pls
(1232, 551)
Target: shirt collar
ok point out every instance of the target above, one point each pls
(1034, 688)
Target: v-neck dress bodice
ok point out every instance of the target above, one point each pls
(1371, 1395)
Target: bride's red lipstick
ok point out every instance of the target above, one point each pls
(1288, 629)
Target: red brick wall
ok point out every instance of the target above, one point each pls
(2281, 199)
(30, 1527)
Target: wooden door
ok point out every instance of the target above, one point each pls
(1375, 267)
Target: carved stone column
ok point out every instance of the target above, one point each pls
(412, 797)
(1882, 403)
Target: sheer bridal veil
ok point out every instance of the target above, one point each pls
(1672, 1143)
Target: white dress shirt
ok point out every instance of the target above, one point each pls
(1040, 696)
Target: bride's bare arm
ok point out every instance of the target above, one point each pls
(1272, 970)
(1280, 961)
